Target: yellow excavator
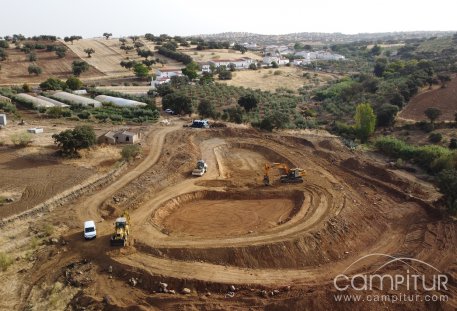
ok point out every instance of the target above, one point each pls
(291, 176)
(121, 230)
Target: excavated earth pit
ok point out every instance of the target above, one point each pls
(215, 214)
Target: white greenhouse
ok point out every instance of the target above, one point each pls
(76, 99)
(36, 102)
(119, 102)
(53, 101)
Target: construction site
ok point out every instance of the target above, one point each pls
(264, 221)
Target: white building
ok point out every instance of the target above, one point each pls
(278, 60)
(241, 63)
(164, 75)
(119, 137)
(205, 66)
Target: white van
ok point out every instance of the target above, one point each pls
(89, 230)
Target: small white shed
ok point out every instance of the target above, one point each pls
(2, 119)
(35, 130)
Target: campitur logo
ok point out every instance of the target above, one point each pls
(411, 280)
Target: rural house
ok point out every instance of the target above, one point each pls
(119, 137)
(241, 63)
(164, 76)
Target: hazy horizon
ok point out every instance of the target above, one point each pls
(180, 17)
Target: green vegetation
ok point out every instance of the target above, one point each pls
(71, 141)
(141, 71)
(21, 139)
(107, 35)
(79, 67)
(74, 83)
(432, 158)
(173, 54)
(34, 69)
(365, 121)
(5, 262)
(53, 84)
(447, 183)
(89, 52)
(129, 152)
(432, 113)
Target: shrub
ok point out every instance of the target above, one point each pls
(84, 115)
(21, 139)
(115, 117)
(453, 143)
(277, 72)
(130, 151)
(447, 183)
(435, 137)
(266, 124)
(53, 84)
(5, 261)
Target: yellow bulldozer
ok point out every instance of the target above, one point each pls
(121, 230)
(291, 176)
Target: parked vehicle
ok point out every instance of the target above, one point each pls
(90, 231)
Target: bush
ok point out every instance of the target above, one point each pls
(53, 84)
(115, 117)
(277, 72)
(84, 115)
(435, 137)
(5, 261)
(453, 143)
(447, 183)
(130, 151)
(74, 83)
(266, 124)
(21, 139)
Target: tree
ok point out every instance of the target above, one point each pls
(74, 83)
(252, 66)
(206, 78)
(71, 141)
(123, 41)
(164, 89)
(107, 35)
(34, 69)
(386, 114)
(225, 75)
(206, 109)
(3, 54)
(365, 121)
(447, 183)
(53, 84)
(266, 124)
(60, 51)
(130, 151)
(432, 113)
(375, 50)
(141, 71)
(72, 38)
(31, 57)
(89, 52)
(443, 79)
(191, 70)
(179, 103)
(453, 144)
(380, 67)
(79, 67)
(126, 48)
(26, 88)
(274, 64)
(232, 67)
(248, 102)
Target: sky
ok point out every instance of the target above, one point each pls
(91, 18)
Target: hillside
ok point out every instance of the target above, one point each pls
(444, 99)
(14, 69)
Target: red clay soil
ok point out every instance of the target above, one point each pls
(15, 67)
(444, 99)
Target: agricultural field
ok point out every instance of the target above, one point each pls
(271, 79)
(14, 70)
(107, 56)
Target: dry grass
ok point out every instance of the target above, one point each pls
(271, 79)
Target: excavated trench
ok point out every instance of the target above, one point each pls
(202, 214)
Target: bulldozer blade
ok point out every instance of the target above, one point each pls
(118, 242)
